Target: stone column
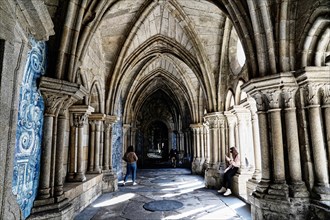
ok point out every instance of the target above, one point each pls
(231, 121)
(52, 102)
(61, 129)
(256, 140)
(212, 174)
(91, 146)
(125, 136)
(97, 147)
(196, 153)
(245, 149)
(244, 146)
(133, 136)
(297, 186)
(314, 84)
(95, 120)
(222, 151)
(73, 151)
(80, 116)
(80, 121)
(109, 121)
(107, 146)
(264, 145)
(274, 98)
(206, 146)
(318, 147)
(326, 107)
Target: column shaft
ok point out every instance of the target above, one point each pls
(263, 130)
(319, 153)
(277, 145)
(72, 164)
(80, 156)
(61, 129)
(92, 146)
(327, 128)
(44, 181)
(256, 144)
(106, 152)
(293, 145)
(97, 147)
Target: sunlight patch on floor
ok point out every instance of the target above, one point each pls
(115, 200)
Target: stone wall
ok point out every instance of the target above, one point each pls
(15, 29)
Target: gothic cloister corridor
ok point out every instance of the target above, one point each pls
(166, 184)
(83, 81)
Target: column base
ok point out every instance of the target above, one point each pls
(70, 177)
(278, 191)
(197, 166)
(270, 208)
(298, 190)
(43, 193)
(261, 189)
(109, 181)
(80, 177)
(205, 166)
(212, 178)
(48, 209)
(58, 190)
(321, 193)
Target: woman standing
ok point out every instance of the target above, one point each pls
(130, 158)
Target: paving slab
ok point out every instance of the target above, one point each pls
(177, 185)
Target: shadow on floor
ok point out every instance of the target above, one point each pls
(163, 189)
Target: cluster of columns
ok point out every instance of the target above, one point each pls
(57, 100)
(79, 118)
(59, 110)
(284, 133)
(277, 96)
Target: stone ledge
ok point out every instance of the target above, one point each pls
(77, 195)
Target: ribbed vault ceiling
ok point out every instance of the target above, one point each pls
(172, 47)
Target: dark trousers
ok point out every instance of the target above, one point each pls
(228, 177)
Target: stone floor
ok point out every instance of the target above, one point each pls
(176, 185)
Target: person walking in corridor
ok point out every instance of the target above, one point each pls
(230, 171)
(130, 158)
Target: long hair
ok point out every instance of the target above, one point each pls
(130, 149)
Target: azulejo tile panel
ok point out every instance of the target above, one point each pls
(29, 130)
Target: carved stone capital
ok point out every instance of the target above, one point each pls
(311, 92)
(109, 121)
(79, 120)
(215, 120)
(80, 114)
(52, 101)
(274, 97)
(66, 104)
(325, 91)
(288, 94)
(107, 126)
(269, 87)
(261, 101)
(231, 119)
(312, 80)
(196, 127)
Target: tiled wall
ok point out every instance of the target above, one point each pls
(29, 130)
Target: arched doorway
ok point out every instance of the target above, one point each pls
(155, 146)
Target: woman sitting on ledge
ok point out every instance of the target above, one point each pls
(231, 170)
